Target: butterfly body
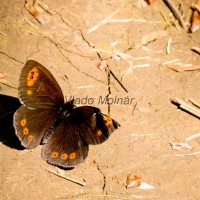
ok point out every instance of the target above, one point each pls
(65, 130)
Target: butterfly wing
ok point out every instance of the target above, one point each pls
(65, 147)
(68, 145)
(95, 127)
(42, 98)
(38, 88)
(31, 125)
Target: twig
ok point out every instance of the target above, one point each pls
(196, 49)
(109, 89)
(122, 55)
(67, 178)
(86, 86)
(103, 66)
(169, 45)
(194, 136)
(179, 145)
(130, 69)
(184, 154)
(142, 135)
(3, 34)
(196, 6)
(183, 105)
(103, 21)
(194, 103)
(176, 13)
(118, 80)
(9, 83)
(170, 61)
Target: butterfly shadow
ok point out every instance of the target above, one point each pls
(8, 106)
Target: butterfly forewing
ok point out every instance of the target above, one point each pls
(65, 147)
(38, 88)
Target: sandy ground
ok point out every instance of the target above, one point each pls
(67, 45)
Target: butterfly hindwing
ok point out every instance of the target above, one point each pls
(65, 146)
(95, 127)
(38, 88)
(31, 125)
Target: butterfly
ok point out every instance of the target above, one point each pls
(66, 131)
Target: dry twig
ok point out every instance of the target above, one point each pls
(196, 49)
(191, 137)
(183, 105)
(176, 13)
(3, 34)
(184, 154)
(67, 178)
(168, 45)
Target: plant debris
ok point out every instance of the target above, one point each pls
(195, 20)
(37, 8)
(135, 181)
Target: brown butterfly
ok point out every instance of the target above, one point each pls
(65, 130)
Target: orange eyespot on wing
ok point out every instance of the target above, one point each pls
(55, 154)
(29, 92)
(30, 137)
(32, 76)
(25, 131)
(99, 132)
(107, 120)
(64, 156)
(72, 156)
(23, 122)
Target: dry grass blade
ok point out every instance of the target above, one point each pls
(195, 103)
(183, 105)
(168, 46)
(192, 137)
(102, 22)
(67, 178)
(130, 69)
(181, 155)
(3, 34)
(45, 7)
(176, 13)
(179, 145)
(196, 49)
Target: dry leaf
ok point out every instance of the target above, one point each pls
(179, 68)
(135, 181)
(102, 65)
(32, 8)
(37, 8)
(195, 21)
(153, 36)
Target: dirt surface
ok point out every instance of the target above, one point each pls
(68, 44)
